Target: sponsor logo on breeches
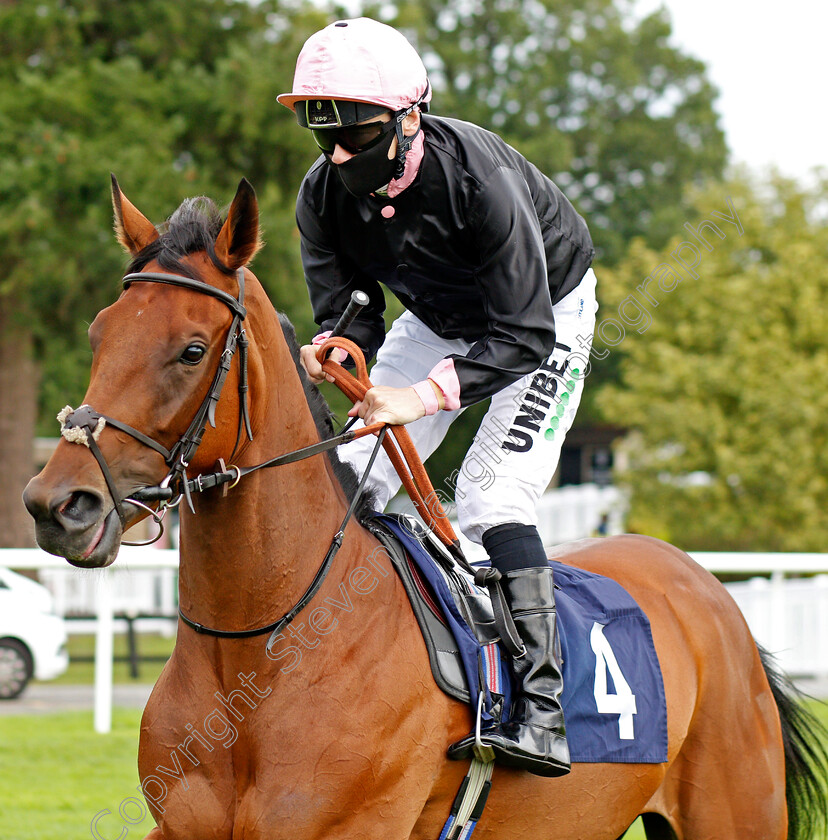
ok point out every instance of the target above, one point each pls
(547, 388)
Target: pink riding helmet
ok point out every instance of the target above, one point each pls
(360, 60)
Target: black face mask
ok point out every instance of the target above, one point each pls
(368, 170)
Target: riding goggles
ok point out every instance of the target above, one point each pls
(352, 138)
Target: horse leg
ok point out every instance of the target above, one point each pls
(657, 828)
(728, 780)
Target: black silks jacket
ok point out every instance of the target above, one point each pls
(479, 247)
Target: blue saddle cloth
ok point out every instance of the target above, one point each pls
(613, 699)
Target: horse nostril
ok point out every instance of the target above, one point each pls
(80, 510)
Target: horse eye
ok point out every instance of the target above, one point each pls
(193, 354)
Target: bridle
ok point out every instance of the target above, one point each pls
(84, 425)
(177, 458)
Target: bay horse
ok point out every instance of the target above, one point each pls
(343, 735)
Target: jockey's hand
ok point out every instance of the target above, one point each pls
(307, 357)
(308, 360)
(396, 406)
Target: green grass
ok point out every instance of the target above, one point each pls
(56, 774)
(83, 673)
(636, 831)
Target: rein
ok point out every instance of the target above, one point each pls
(84, 425)
(322, 572)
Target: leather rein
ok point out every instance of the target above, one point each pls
(84, 425)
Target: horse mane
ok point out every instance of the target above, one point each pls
(323, 417)
(193, 228)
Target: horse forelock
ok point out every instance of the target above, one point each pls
(191, 229)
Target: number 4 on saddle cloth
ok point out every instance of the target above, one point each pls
(613, 696)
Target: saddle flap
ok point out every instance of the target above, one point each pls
(441, 645)
(613, 700)
(473, 602)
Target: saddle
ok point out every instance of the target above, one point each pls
(613, 698)
(455, 615)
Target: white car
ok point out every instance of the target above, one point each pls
(32, 636)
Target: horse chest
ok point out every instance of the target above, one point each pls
(276, 746)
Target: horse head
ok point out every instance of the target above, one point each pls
(162, 353)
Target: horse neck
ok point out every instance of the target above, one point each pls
(246, 558)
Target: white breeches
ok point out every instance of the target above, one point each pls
(515, 452)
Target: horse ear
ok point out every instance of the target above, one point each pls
(133, 230)
(238, 241)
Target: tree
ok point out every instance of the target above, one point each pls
(177, 99)
(724, 369)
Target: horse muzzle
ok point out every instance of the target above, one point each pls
(74, 524)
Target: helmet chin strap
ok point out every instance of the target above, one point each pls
(403, 146)
(403, 142)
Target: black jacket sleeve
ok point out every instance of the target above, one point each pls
(512, 277)
(331, 280)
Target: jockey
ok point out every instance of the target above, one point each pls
(492, 264)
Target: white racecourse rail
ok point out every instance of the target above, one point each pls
(789, 616)
(133, 564)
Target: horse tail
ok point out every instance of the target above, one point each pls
(806, 756)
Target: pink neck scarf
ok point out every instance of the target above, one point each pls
(412, 166)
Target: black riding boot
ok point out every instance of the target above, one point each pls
(535, 737)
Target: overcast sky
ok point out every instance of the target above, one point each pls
(769, 61)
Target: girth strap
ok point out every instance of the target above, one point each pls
(470, 801)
